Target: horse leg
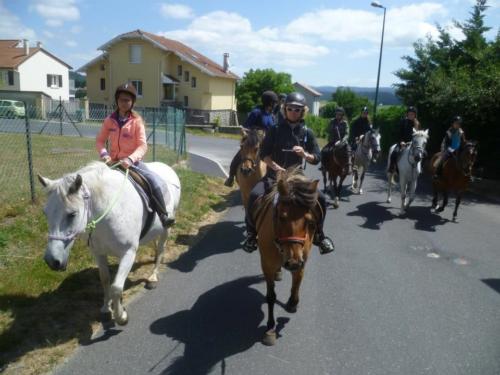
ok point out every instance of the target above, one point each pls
(124, 268)
(389, 187)
(293, 301)
(434, 197)
(355, 178)
(445, 202)
(403, 186)
(270, 335)
(457, 203)
(102, 264)
(412, 187)
(152, 281)
(360, 190)
(335, 194)
(325, 182)
(339, 189)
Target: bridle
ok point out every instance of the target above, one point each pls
(414, 148)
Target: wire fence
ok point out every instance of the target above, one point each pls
(51, 143)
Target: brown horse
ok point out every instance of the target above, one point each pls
(455, 176)
(251, 169)
(286, 223)
(336, 165)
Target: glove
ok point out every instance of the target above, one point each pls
(126, 163)
(106, 159)
(450, 150)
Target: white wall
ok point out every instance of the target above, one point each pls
(33, 75)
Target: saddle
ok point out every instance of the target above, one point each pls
(145, 191)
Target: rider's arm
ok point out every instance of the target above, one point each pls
(140, 141)
(101, 139)
(312, 149)
(272, 164)
(346, 134)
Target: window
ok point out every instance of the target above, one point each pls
(54, 81)
(138, 86)
(10, 77)
(193, 82)
(186, 101)
(186, 76)
(103, 84)
(179, 70)
(135, 53)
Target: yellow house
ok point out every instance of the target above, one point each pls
(164, 72)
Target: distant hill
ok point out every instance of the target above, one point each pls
(386, 95)
(80, 79)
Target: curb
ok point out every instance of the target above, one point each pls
(212, 167)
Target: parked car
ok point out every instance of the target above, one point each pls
(11, 108)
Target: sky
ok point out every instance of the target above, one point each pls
(319, 42)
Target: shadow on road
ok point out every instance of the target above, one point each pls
(424, 218)
(374, 213)
(220, 238)
(223, 322)
(493, 284)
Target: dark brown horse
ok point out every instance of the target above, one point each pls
(455, 176)
(336, 165)
(252, 168)
(286, 222)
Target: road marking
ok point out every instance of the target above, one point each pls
(433, 255)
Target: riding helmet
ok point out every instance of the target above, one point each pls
(282, 96)
(269, 98)
(411, 109)
(339, 110)
(296, 99)
(456, 119)
(365, 110)
(126, 88)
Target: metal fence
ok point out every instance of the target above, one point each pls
(32, 142)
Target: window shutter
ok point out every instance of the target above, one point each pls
(60, 80)
(10, 77)
(48, 80)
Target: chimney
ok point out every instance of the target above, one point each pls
(225, 64)
(26, 47)
(39, 44)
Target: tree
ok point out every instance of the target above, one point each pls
(350, 101)
(447, 77)
(255, 82)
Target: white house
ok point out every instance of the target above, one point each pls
(312, 97)
(24, 68)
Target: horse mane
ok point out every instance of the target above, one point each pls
(421, 133)
(301, 191)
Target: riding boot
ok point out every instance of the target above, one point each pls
(324, 243)
(233, 169)
(160, 208)
(250, 244)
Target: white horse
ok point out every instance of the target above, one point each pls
(409, 167)
(367, 150)
(78, 198)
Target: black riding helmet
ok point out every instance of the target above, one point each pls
(296, 99)
(126, 88)
(411, 109)
(339, 110)
(456, 119)
(269, 98)
(364, 110)
(282, 97)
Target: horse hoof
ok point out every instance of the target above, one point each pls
(440, 209)
(291, 307)
(269, 338)
(278, 276)
(335, 205)
(106, 317)
(360, 192)
(388, 200)
(122, 320)
(454, 219)
(151, 285)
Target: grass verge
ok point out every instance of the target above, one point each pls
(44, 315)
(201, 132)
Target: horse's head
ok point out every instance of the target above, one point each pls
(418, 144)
(373, 137)
(66, 217)
(295, 219)
(468, 157)
(249, 150)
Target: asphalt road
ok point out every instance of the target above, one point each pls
(412, 295)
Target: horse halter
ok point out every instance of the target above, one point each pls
(71, 235)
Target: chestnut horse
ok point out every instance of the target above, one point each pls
(251, 169)
(455, 176)
(286, 222)
(336, 165)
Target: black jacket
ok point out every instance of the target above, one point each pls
(358, 128)
(283, 137)
(406, 130)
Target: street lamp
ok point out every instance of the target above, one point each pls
(378, 5)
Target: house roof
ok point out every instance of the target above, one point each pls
(12, 56)
(307, 88)
(184, 52)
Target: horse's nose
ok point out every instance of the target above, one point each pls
(245, 171)
(418, 158)
(293, 266)
(54, 264)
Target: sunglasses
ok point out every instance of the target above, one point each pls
(296, 110)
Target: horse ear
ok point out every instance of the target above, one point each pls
(46, 182)
(282, 187)
(426, 131)
(75, 186)
(244, 132)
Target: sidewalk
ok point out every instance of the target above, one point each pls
(489, 189)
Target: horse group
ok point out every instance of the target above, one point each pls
(88, 203)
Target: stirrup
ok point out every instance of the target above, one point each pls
(250, 244)
(166, 221)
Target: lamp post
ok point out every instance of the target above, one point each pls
(378, 5)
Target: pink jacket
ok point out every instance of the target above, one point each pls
(126, 142)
